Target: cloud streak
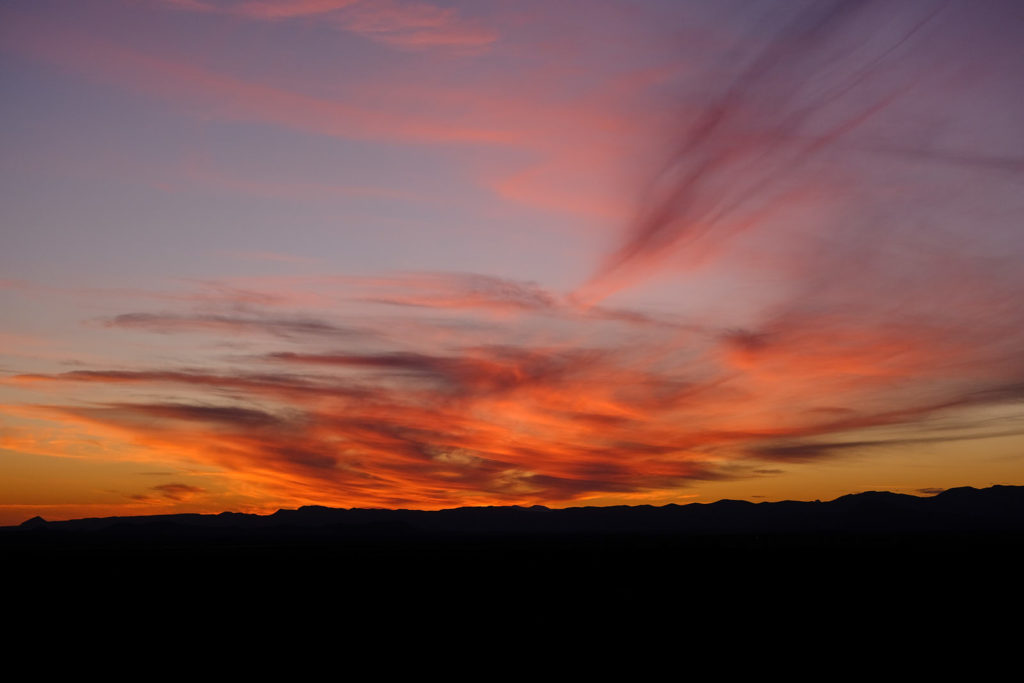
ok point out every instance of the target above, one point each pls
(220, 324)
(178, 492)
(407, 25)
(223, 96)
(797, 95)
(445, 424)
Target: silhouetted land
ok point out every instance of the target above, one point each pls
(909, 548)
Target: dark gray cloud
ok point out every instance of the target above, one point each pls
(168, 323)
(177, 492)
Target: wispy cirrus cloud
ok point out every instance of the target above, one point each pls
(475, 291)
(456, 290)
(220, 95)
(795, 120)
(554, 150)
(428, 421)
(408, 25)
(169, 323)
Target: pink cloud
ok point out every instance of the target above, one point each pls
(566, 149)
(414, 25)
(222, 96)
(269, 9)
(408, 25)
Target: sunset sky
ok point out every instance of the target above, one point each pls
(258, 254)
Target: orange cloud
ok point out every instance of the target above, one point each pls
(406, 424)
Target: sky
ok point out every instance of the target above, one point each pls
(258, 254)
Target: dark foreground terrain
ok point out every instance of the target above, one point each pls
(961, 545)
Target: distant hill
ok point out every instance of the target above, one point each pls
(870, 551)
(958, 510)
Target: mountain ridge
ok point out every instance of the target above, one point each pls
(959, 509)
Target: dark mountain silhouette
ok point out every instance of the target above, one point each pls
(533, 563)
(33, 523)
(958, 510)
